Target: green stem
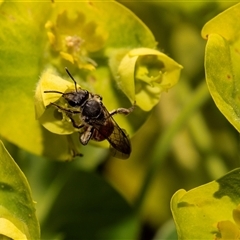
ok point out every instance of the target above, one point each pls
(163, 143)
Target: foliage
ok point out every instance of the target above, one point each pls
(179, 142)
(88, 45)
(197, 214)
(202, 204)
(221, 62)
(18, 217)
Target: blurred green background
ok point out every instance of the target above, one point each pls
(186, 142)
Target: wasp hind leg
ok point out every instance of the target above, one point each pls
(124, 111)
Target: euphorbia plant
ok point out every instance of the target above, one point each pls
(101, 58)
(108, 50)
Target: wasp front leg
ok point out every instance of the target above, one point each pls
(69, 113)
(66, 110)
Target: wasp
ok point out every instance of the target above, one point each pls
(94, 121)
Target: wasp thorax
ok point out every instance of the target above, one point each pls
(76, 99)
(92, 109)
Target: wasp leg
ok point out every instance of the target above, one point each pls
(67, 110)
(124, 111)
(86, 136)
(74, 123)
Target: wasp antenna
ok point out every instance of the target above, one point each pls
(70, 75)
(53, 91)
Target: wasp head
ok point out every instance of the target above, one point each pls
(76, 98)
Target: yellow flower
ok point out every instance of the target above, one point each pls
(74, 39)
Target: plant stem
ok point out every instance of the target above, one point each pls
(163, 143)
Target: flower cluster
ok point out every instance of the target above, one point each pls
(74, 39)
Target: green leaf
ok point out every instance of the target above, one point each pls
(17, 209)
(97, 211)
(21, 50)
(222, 62)
(210, 211)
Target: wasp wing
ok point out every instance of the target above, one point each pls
(120, 145)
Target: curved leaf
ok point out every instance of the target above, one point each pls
(17, 209)
(210, 211)
(222, 62)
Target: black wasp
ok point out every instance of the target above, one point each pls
(95, 121)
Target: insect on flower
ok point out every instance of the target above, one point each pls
(88, 114)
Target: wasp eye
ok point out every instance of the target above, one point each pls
(73, 103)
